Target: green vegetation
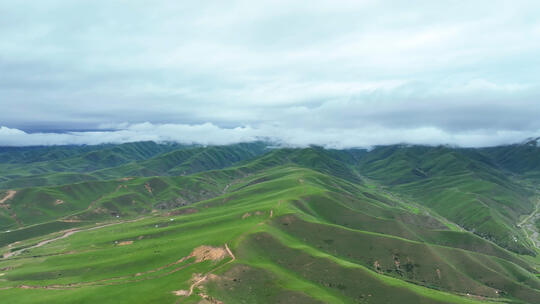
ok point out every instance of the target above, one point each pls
(391, 225)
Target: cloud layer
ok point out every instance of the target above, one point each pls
(209, 134)
(337, 73)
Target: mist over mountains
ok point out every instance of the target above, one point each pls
(209, 134)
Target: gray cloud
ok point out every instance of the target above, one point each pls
(348, 73)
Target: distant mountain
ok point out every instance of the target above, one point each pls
(522, 159)
(43, 167)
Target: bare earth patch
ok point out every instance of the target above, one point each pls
(180, 292)
(148, 188)
(203, 253)
(246, 215)
(209, 299)
(58, 202)
(10, 195)
(125, 243)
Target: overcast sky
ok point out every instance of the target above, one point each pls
(335, 73)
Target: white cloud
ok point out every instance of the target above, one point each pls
(209, 134)
(456, 71)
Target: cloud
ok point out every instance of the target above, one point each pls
(209, 134)
(244, 69)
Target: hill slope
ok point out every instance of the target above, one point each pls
(289, 226)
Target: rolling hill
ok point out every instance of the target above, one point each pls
(249, 224)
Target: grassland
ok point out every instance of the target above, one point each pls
(288, 226)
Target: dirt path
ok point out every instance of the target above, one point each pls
(226, 188)
(65, 235)
(532, 214)
(202, 279)
(14, 253)
(137, 277)
(230, 252)
(10, 195)
(528, 225)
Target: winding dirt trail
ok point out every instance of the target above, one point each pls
(532, 214)
(226, 188)
(230, 252)
(65, 235)
(14, 253)
(137, 277)
(528, 225)
(205, 277)
(10, 195)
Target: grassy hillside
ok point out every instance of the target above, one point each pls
(521, 159)
(287, 226)
(40, 166)
(462, 185)
(43, 167)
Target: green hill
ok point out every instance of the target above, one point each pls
(244, 224)
(464, 186)
(115, 161)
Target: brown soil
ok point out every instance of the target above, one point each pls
(148, 188)
(180, 292)
(10, 194)
(246, 215)
(203, 253)
(209, 299)
(125, 243)
(199, 278)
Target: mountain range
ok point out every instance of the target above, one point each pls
(150, 222)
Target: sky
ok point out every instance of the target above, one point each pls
(333, 73)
